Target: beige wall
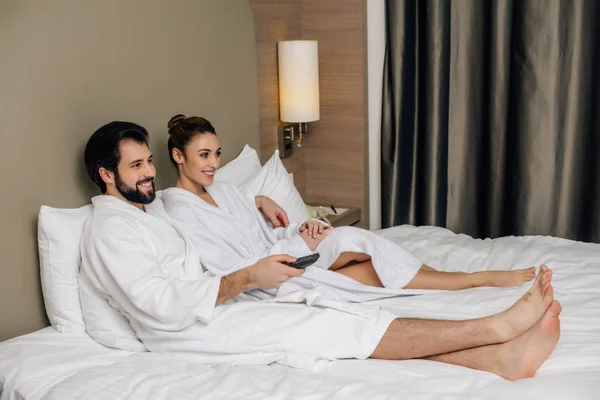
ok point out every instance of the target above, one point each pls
(276, 20)
(68, 66)
(331, 167)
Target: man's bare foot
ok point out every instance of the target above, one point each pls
(528, 309)
(522, 357)
(505, 278)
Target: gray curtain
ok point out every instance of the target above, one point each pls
(491, 117)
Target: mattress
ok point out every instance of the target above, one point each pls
(51, 365)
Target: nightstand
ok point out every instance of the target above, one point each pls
(347, 218)
(350, 216)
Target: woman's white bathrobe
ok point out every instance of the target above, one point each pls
(235, 235)
(146, 268)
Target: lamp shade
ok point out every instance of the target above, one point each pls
(298, 80)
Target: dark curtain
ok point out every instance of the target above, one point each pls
(491, 117)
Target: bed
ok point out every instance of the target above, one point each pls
(51, 365)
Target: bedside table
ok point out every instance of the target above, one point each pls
(349, 217)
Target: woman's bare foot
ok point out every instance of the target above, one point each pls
(522, 357)
(504, 278)
(528, 309)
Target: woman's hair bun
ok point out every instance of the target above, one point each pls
(175, 120)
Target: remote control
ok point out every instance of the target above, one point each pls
(304, 262)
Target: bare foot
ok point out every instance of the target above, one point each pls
(522, 357)
(529, 309)
(505, 278)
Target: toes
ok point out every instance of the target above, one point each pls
(549, 291)
(545, 283)
(555, 307)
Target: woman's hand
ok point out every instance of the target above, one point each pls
(314, 228)
(272, 211)
(313, 242)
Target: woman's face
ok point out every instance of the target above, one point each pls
(202, 159)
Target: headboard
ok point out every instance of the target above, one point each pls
(67, 68)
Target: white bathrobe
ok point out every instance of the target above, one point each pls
(235, 235)
(149, 271)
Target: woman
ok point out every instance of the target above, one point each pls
(229, 233)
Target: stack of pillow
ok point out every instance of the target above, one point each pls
(271, 180)
(59, 236)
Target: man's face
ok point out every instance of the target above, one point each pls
(134, 177)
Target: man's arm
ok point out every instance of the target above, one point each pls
(233, 284)
(135, 279)
(267, 273)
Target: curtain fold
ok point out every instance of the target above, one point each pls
(415, 113)
(490, 118)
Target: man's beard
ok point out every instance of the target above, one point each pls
(134, 195)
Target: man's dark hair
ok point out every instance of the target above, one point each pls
(102, 150)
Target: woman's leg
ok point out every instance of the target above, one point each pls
(432, 279)
(363, 273)
(428, 278)
(347, 257)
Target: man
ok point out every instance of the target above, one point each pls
(135, 257)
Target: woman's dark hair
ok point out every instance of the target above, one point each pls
(182, 129)
(102, 149)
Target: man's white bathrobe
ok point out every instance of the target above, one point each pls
(149, 271)
(235, 235)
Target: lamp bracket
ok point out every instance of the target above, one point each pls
(285, 139)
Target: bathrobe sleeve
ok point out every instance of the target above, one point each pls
(294, 229)
(223, 259)
(136, 280)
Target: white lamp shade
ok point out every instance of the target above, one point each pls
(298, 80)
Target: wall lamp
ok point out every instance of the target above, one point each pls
(298, 91)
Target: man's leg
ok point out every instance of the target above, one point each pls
(416, 338)
(517, 359)
(249, 326)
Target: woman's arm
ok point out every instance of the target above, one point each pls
(272, 211)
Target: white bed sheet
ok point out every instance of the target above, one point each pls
(31, 364)
(52, 365)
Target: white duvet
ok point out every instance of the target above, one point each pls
(51, 365)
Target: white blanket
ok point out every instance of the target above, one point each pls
(235, 235)
(148, 270)
(35, 367)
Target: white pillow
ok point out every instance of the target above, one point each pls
(59, 236)
(59, 239)
(240, 169)
(274, 182)
(105, 323)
